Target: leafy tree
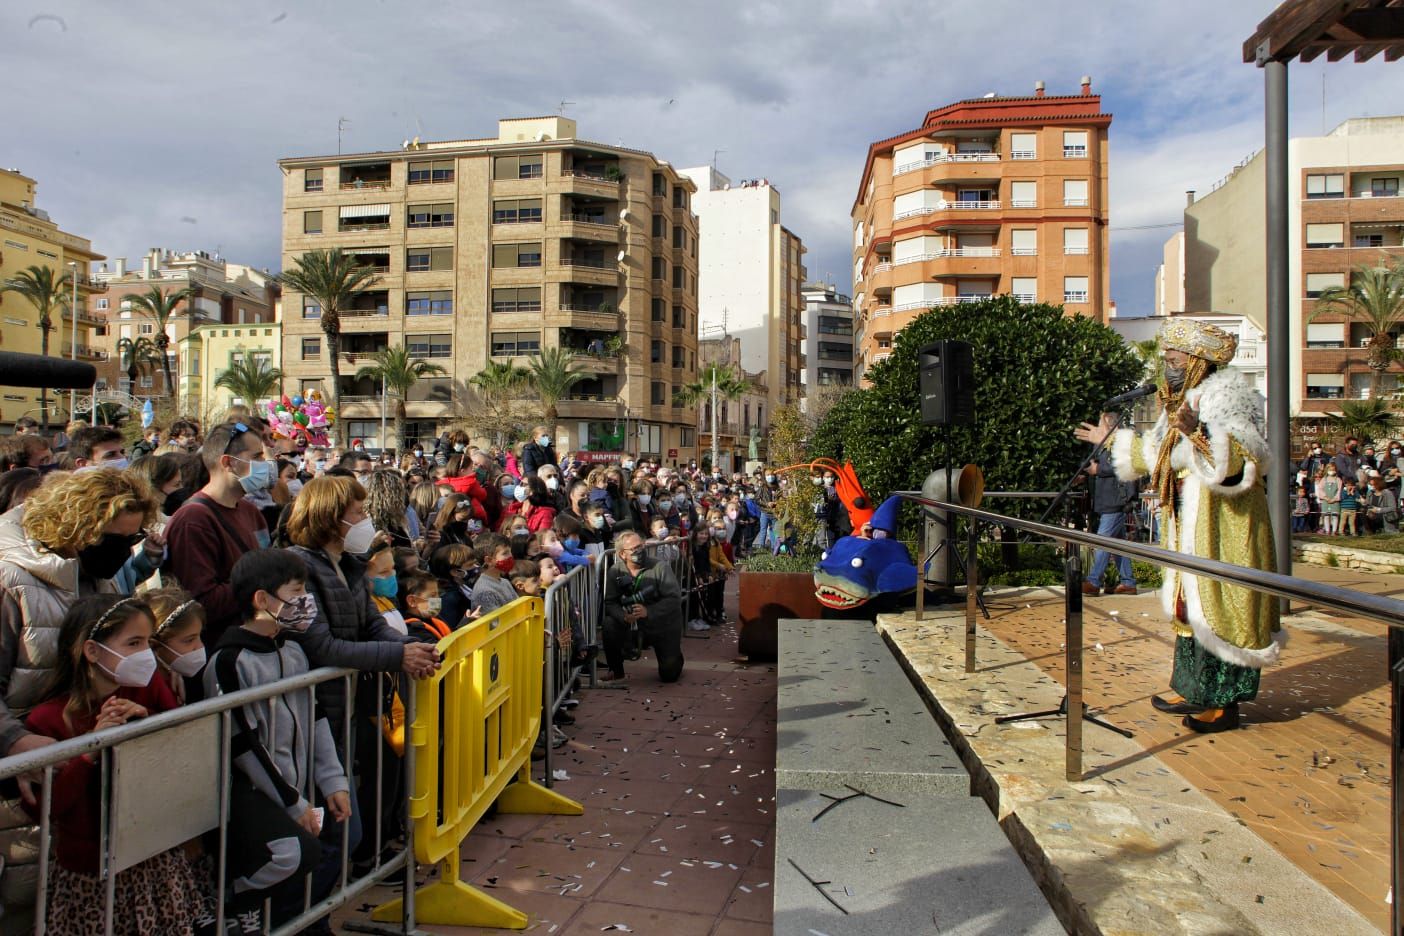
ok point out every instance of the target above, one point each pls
(551, 374)
(1038, 374)
(1375, 298)
(499, 385)
(251, 379)
(332, 278)
(399, 372)
(48, 294)
(729, 385)
(138, 356)
(787, 444)
(160, 306)
(1371, 420)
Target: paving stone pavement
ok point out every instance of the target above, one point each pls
(1310, 771)
(678, 786)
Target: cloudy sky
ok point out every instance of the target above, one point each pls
(151, 123)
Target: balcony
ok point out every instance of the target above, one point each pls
(936, 159)
(366, 176)
(1250, 352)
(1023, 154)
(1075, 296)
(1074, 152)
(937, 302)
(1075, 203)
(1074, 251)
(948, 206)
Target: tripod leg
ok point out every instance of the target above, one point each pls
(1093, 719)
(1030, 716)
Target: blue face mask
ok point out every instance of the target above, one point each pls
(386, 586)
(509, 491)
(543, 441)
(573, 542)
(261, 475)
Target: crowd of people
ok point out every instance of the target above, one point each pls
(205, 560)
(1351, 492)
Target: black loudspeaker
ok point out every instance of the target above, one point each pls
(36, 370)
(947, 383)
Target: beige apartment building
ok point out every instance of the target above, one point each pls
(222, 293)
(489, 250)
(1346, 211)
(988, 196)
(29, 237)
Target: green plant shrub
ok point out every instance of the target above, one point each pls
(766, 561)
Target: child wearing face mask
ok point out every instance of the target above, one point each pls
(273, 828)
(493, 589)
(567, 531)
(106, 676)
(179, 649)
(422, 606)
(594, 533)
(456, 569)
(384, 584)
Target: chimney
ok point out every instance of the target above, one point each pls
(1189, 198)
(147, 266)
(119, 266)
(1038, 89)
(1086, 84)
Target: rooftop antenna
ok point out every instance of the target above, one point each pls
(714, 158)
(560, 108)
(341, 124)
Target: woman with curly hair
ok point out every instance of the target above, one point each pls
(387, 505)
(73, 537)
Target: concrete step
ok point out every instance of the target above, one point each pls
(847, 714)
(938, 864)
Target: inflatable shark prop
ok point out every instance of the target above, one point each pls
(857, 570)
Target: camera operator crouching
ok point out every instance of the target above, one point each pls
(640, 591)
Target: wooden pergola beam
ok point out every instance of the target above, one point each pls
(1334, 28)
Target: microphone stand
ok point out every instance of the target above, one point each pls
(1097, 449)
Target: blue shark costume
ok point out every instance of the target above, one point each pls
(856, 571)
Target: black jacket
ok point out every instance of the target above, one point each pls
(1110, 495)
(534, 456)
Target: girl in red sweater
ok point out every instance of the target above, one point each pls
(106, 676)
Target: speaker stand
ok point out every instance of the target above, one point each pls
(948, 542)
(1062, 711)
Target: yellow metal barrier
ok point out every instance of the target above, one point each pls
(475, 723)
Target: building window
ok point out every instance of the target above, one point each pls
(660, 311)
(1325, 235)
(679, 237)
(1326, 335)
(834, 351)
(830, 325)
(834, 377)
(1023, 194)
(1384, 188)
(679, 277)
(312, 180)
(1075, 193)
(1074, 144)
(516, 211)
(1317, 283)
(311, 222)
(679, 356)
(505, 168)
(660, 226)
(1074, 289)
(429, 216)
(192, 358)
(101, 304)
(1023, 242)
(655, 352)
(439, 170)
(687, 437)
(311, 349)
(516, 255)
(425, 259)
(679, 198)
(146, 328)
(1023, 146)
(660, 268)
(512, 344)
(311, 308)
(524, 299)
(679, 317)
(1075, 241)
(658, 393)
(1367, 240)
(1325, 386)
(1330, 185)
(1024, 288)
(430, 346)
(435, 302)
(660, 185)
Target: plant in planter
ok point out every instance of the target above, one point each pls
(613, 174)
(772, 587)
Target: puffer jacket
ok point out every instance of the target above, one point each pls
(37, 587)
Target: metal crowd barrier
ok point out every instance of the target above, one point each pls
(1388, 611)
(470, 745)
(156, 777)
(575, 598)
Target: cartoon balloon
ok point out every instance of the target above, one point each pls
(300, 418)
(297, 400)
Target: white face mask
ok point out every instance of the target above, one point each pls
(552, 483)
(359, 536)
(188, 664)
(432, 606)
(645, 500)
(521, 493)
(295, 487)
(135, 670)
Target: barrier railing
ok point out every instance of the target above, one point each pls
(1388, 611)
(155, 778)
(573, 605)
(470, 745)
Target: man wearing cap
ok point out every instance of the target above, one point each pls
(1207, 457)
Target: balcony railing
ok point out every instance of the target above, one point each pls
(1074, 203)
(589, 219)
(882, 267)
(587, 262)
(365, 184)
(932, 159)
(1074, 152)
(1075, 251)
(1023, 154)
(1025, 298)
(1023, 203)
(881, 311)
(589, 176)
(1023, 251)
(1249, 353)
(1373, 195)
(948, 206)
(365, 313)
(1074, 296)
(938, 301)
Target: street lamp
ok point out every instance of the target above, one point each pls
(73, 393)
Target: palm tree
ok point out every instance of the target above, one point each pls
(1149, 352)
(713, 381)
(1375, 297)
(499, 385)
(331, 278)
(48, 294)
(251, 378)
(398, 373)
(137, 356)
(1371, 420)
(160, 306)
(551, 374)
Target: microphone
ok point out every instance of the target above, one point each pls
(1129, 395)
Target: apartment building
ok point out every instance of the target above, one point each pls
(222, 293)
(1345, 212)
(988, 196)
(29, 237)
(742, 421)
(488, 250)
(212, 348)
(828, 342)
(751, 273)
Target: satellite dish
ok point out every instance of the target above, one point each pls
(404, 144)
(624, 215)
(621, 256)
(541, 137)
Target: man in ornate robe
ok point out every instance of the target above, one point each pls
(1207, 457)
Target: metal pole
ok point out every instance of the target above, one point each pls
(383, 446)
(1396, 800)
(714, 416)
(972, 589)
(1279, 374)
(1072, 603)
(73, 393)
